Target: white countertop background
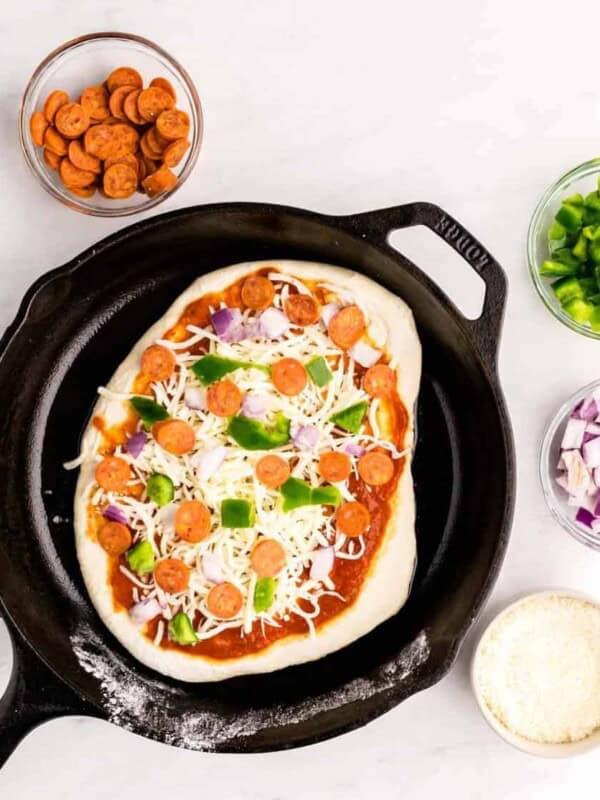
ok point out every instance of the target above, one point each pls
(345, 106)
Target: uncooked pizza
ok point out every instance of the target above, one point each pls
(245, 499)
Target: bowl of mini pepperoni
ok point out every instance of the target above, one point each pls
(110, 124)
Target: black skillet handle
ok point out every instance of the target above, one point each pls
(33, 696)
(376, 226)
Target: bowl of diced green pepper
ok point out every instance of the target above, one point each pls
(563, 249)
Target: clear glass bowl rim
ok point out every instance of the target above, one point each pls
(588, 167)
(23, 124)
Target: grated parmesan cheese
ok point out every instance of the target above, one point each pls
(538, 668)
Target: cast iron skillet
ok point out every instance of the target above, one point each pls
(74, 327)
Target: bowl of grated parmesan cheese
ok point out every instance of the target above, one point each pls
(536, 674)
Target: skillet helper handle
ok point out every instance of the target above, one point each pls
(33, 696)
(485, 330)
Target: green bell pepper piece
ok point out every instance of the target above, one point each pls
(567, 289)
(580, 310)
(565, 256)
(589, 286)
(595, 319)
(591, 209)
(264, 593)
(350, 419)
(591, 231)
(575, 200)
(594, 299)
(149, 411)
(570, 216)
(237, 513)
(252, 434)
(160, 489)
(594, 251)
(297, 493)
(556, 268)
(181, 629)
(557, 232)
(212, 368)
(580, 251)
(140, 557)
(319, 371)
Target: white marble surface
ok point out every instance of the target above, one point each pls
(346, 106)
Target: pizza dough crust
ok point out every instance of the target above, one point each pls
(388, 580)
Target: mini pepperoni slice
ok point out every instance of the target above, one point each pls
(113, 474)
(81, 159)
(257, 292)
(72, 120)
(84, 192)
(147, 150)
(352, 519)
(173, 124)
(124, 76)
(115, 538)
(119, 181)
(172, 575)
(174, 152)
(347, 326)
(116, 100)
(158, 362)
(224, 600)
(53, 102)
(161, 180)
(267, 558)
(163, 83)
(192, 521)
(175, 436)
(155, 141)
(375, 468)
(55, 142)
(153, 101)
(289, 376)
(71, 175)
(95, 101)
(130, 107)
(37, 127)
(223, 398)
(334, 467)
(51, 159)
(379, 381)
(99, 140)
(127, 139)
(302, 309)
(126, 158)
(272, 471)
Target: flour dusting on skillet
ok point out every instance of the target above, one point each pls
(132, 704)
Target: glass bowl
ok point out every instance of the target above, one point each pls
(583, 179)
(87, 61)
(556, 497)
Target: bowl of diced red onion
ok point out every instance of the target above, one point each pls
(570, 465)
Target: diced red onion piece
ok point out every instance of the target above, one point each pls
(353, 449)
(254, 406)
(212, 568)
(587, 437)
(596, 525)
(135, 444)
(305, 437)
(144, 611)
(364, 354)
(208, 461)
(588, 409)
(583, 500)
(328, 312)
(578, 475)
(596, 476)
(115, 514)
(573, 435)
(561, 480)
(322, 563)
(273, 323)
(596, 508)
(224, 319)
(195, 398)
(584, 517)
(591, 453)
(593, 428)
